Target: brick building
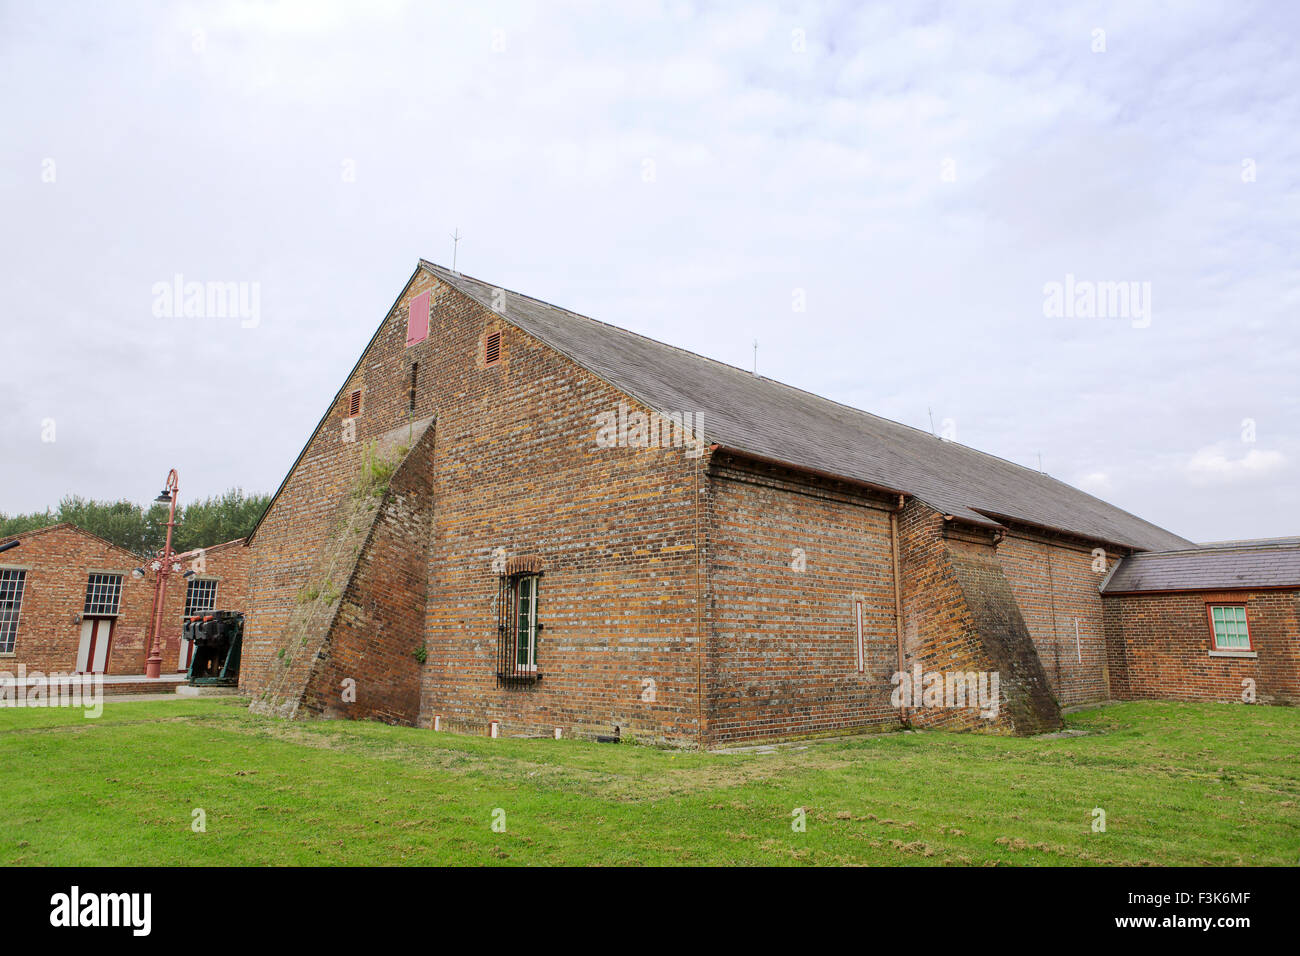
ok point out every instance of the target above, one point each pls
(512, 515)
(1218, 623)
(70, 602)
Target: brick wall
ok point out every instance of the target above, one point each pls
(58, 561)
(1056, 587)
(519, 474)
(515, 470)
(1159, 647)
(789, 561)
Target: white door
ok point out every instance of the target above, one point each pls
(96, 635)
(186, 654)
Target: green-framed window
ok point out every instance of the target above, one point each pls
(1228, 621)
(526, 622)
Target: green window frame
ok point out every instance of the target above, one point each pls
(525, 622)
(1229, 627)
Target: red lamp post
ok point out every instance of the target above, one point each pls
(162, 566)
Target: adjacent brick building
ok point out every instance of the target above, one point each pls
(515, 518)
(70, 602)
(1218, 623)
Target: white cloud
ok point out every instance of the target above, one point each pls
(1213, 465)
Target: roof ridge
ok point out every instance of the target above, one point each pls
(1203, 549)
(1282, 541)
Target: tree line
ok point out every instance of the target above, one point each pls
(199, 524)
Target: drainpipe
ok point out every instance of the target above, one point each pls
(898, 594)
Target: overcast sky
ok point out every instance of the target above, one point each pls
(915, 175)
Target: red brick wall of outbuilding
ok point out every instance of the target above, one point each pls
(1160, 645)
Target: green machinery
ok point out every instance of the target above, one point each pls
(218, 638)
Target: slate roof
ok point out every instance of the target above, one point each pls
(750, 414)
(1263, 563)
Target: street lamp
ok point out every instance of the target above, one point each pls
(162, 567)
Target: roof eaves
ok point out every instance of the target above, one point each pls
(1011, 519)
(805, 469)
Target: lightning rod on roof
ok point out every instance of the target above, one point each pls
(455, 242)
(755, 356)
(931, 411)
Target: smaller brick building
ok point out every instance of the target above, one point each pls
(70, 602)
(1217, 623)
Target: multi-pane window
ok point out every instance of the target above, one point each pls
(526, 622)
(103, 594)
(200, 596)
(1229, 624)
(11, 602)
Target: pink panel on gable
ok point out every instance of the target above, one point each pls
(417, 320)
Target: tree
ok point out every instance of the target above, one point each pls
(199, 524)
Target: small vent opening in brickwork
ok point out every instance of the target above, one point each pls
(492, 351)
(354, 404)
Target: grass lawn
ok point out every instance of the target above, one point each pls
(1179, 783)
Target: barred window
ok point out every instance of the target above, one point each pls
(11, 602)
(200, 596)
(517, 625)
(103, 594)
